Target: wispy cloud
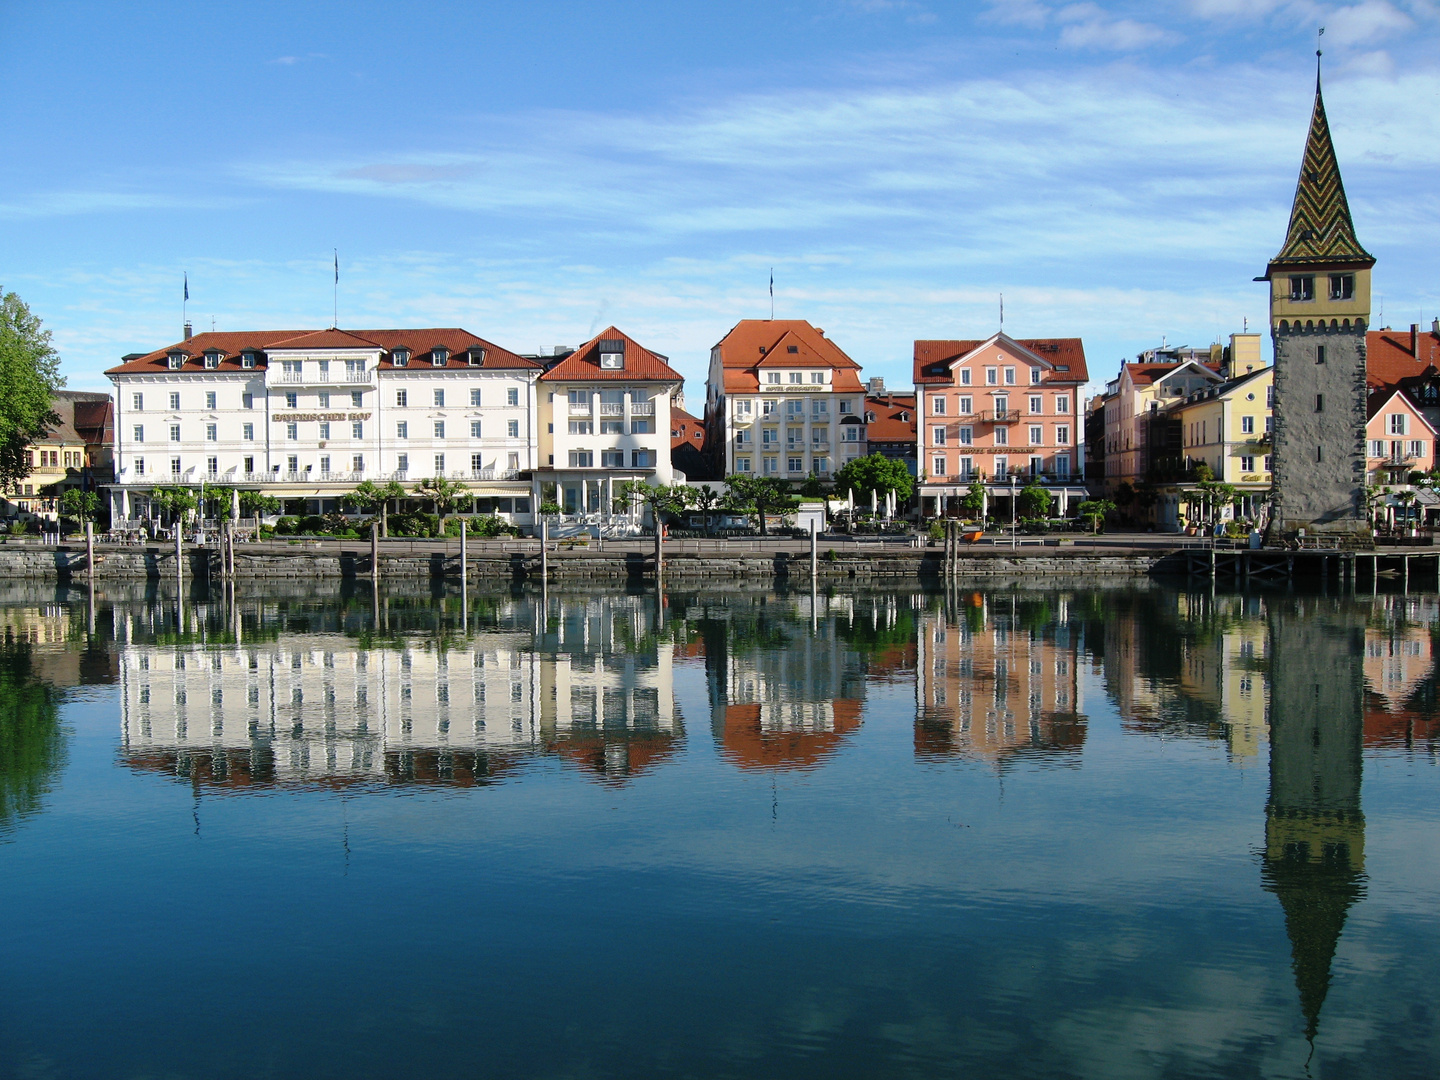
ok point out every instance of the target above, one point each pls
(1087, 26)
(68, 203)
(291, 61)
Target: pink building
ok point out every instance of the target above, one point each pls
(990, 409)
(1399, 440)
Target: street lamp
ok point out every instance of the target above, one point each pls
(1012, 511)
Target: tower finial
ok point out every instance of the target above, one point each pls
(1318, 54)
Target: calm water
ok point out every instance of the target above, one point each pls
(1123, 833)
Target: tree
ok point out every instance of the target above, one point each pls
(376, 498)
(1213, 494)
(758, 495)
(258, 504)
(176, 502)
(1034, 501)
(876, 473)
(973, 501)
(83, 506)
(662, 501)
(29, 377)
(220, 500)
(1095, 510)
(706, 499)
(442, 494)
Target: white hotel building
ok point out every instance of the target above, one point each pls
(304, 416)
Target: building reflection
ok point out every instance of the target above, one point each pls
(584, 681)
(1314, 859)
(1400, 690)
(998, 679)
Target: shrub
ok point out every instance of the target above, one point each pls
(311, 525)
(286, 526)
(491, 525)
(414, 523)
(17, 528)
(937, 530)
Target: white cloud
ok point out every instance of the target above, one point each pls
(1345, 24)
(1087, 26)
(1029, 13)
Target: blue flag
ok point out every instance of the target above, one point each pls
(337, 266)
(187, 284)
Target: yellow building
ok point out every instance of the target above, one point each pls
(76, 453)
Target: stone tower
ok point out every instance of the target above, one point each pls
(1314, 829)
(1319, 307)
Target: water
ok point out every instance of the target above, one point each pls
(1127, 833)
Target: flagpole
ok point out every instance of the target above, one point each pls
(772, 294)
(335, 298)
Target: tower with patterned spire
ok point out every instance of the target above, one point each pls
(1319, 308)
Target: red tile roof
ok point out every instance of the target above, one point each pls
(641, 365)
(1068, 353)
(887, 426)
(420, 342)
(753, 343)
(685, 430)
(1388, 358)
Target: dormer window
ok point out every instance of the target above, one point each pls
(439, 356)
(247, 358)
(400, 357)
(212, 359)
(475, 357)
(905, 417)
(792, 348)
(177, 360)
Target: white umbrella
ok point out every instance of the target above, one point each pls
(874, 501)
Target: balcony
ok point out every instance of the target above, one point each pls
(608, 408)
(357, 376)
(579, 408)
(642, 408)
(489, 474)
(998, 416)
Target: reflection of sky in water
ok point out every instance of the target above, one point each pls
(1112, 833)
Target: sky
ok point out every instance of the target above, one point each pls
(536, 172)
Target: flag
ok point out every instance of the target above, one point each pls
(337, 266)
(187, 284)
(772, 283)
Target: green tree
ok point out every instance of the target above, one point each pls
(175, 502)
(759, 495)
(221, 501)
(876, 473)
(375, 498)
(1033, 501)
(442, 494)
(258, 504)
(706, 499)
(32, 745)
(1095, 510)
(662, 501)
(29, 377)
(972, 503)
(83, 506)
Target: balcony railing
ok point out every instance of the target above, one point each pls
(999, 416)
(608, 408)
(578, 408)
(357, 376)
(642, 408)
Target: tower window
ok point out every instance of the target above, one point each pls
(1342, 286)
(1319, 402)
(1319, 354)
(1302, 287)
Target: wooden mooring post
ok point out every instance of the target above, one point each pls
(375, 551)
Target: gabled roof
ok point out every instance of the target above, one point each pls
(686, 430)
(641, 365)
(1380, 398)
(752, 343)
(230, 344)
(1062, 358)
(1321, 231)
(887, 427)
(1147, 374)
(1388, 359)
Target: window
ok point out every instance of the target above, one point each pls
(742, 437)
(639, 427)
(1062, 435)
(769, 435)
(513, 463)
(1034, 376)
(439, 399)
(212, 432)
(992, 376)
(247, 360)
(771, 465)
(439, 429)
(324, 370)
(247, 401)
(1302, 287)
(139, 432)
(1247, 463)
(1002, 436)
(439, 357)
(439, 465)
(402, 429)
(1247, 425)
(967, 436)
(1037, 435)
(249, 465)
(476, 463)
(357, 463)
(938, 406)
(772, 376)
(137, 402)
(1269, 397)
(742, 408)
(819, 437)
(965, 376)
(939, 466)
(512, 396)
(177, 361)
(850, 433)
(767, 406)
(612, 427)
(581, 427)
(581, 459)
(475, 429)
(1009, 376)
(937, 436)
(357, 430)
(357, 399)
(292, 400)
(795, 464)
(1267, 462)
(612, 459)
(1062, 466)
(174, 432)
(324, 429)
(1377, 447)
(1002, 468)
(512, 429)
(642, 459)
(1037, 466)
(324, 399)
(1342, 286)
(1319, 354)
(967, 406)
(796, 377)
(400, 358)
(402, 463)
(212, 465)
(1319, 402)
(819, 408)
(174, 466)
(967, 467)
(325, 465)
(402, 399)
(1414, 449)
(1062, 403)
(817, 377)
(847, 408)
(292, 431)
(175, 402)
(1397, 423)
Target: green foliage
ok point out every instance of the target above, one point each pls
(758, 495)
(258, 504)
(29, 376)
(1034, 501)
(81, 505)
(937, 530)
(32, 747)
(876, 473)
(491, 525)
(973, 502)
(370, 496)
(550, 509)
(175, 502)
(442, 494)
(706, 499)
(813, 487)
(220, 502)
(415, 523)
(663, 501)
(285, 526)
(1095, 510)
(18, 527)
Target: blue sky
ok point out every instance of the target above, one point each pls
(534, 172)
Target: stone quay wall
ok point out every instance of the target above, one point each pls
(879, 566)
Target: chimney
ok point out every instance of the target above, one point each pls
(188, 332)
(877, 386)
(1415, 340)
